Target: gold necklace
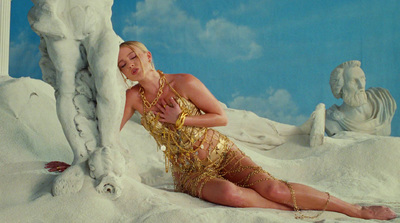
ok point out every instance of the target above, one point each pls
(146, 103)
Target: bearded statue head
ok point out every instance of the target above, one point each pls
(348, 82)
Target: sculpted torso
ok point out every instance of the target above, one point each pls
(79, 56)
(358, 114)
(336, 113)
(70, 18)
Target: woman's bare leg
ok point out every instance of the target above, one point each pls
(307, 198)
(224, 192)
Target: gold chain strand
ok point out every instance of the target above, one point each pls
(298, 214)
(146, 103)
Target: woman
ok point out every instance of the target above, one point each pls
(178, 111)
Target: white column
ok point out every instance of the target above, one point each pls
(5, 15)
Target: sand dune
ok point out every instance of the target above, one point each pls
(355, 167)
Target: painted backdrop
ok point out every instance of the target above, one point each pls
(273, 57)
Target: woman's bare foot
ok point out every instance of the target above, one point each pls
(377, 212)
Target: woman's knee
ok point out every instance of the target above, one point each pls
(275, 190)
(225, 193)
(232, 195)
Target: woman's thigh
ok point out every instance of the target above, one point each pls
(241, 170)
(224, 192)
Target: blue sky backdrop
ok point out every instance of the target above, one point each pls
(273, 57)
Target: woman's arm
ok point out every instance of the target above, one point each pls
(193, 89)
(129, 108)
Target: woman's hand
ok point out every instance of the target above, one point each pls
(56, 166)
(170, 111)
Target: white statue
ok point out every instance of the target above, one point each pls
(369, 111)
(79, 55)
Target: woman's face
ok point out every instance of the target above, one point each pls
(129, 62)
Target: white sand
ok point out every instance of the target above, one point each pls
(357, 168)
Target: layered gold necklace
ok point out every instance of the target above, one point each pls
(146, 103)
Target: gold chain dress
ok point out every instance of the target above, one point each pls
(198, 154)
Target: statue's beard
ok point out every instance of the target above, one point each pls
(357, 99)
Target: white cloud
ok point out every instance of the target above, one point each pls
(224, 38)
(253, 7)
(166, 25)
(24, 57)
(276, 105)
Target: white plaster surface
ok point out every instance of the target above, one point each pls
(5, 7)
(359, 168)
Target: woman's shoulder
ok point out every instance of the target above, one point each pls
(132, 94)
(184, 83)
(183, 79)
(133, 90)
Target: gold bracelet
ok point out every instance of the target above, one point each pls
(181, 120)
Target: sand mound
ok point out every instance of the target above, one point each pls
(355, 167)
